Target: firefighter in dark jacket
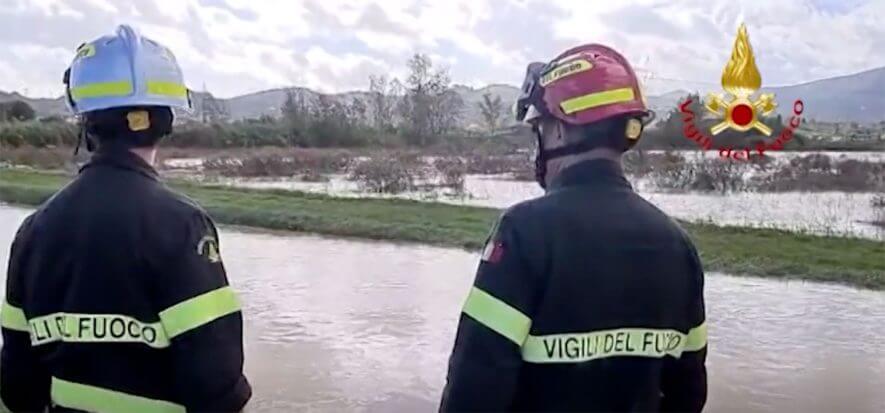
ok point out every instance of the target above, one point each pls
(588, 298)
(116, 297)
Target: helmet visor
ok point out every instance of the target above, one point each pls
(530, 97)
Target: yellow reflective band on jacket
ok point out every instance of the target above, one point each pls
(597, 99)
(200, 310)
(95, 399)
(169, 89)
(13, 318)
(102, 90)
(622, 342)
(497, 315)
(96, 328)
(697, 338)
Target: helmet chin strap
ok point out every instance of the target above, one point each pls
(632, 134)
(545, 155)
(540, 159)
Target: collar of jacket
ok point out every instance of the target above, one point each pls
(122, 158)
(599, 173)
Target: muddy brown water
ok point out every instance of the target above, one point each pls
(344, 325)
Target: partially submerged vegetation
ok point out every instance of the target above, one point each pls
(672, 171)
(735, 250)
(430, 169)
(879, 206)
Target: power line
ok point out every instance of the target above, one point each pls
(651, 76)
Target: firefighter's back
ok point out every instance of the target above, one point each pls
(90, 274)
(620, 299)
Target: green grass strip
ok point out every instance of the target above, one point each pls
(730, 249)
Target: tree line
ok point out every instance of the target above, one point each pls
(422, 109)
(418, 111)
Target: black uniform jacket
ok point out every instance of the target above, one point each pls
(586, 299)
(117, 301)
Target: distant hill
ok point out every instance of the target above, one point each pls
(855, 98)
(43, 107)
(858, 97)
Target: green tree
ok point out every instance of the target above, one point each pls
(16, 110)
(295, 117)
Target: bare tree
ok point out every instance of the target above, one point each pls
(213, 110)
(445, 113)
(429, 108)
(492, 111)
(381, 102)
(296, 115)
(356, 111)
(418, 96)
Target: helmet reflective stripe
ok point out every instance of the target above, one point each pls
(597, 99)
(170, 89)
(98, 90)
(124, 70)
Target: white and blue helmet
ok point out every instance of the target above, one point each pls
(124, 70)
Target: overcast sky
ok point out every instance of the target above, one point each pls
(240, 46)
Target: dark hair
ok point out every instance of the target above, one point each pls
(114, 125)
(609, 133)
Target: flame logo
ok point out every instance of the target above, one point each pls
(741, 79)
(741, 76)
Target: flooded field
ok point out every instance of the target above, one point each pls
(829, 213)
(332, 327)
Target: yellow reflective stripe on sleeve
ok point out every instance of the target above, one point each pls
(597, 99)
(581, 347)
(96, 328)
(101, 90)
(13, 318)
(198, 311)
(170, 89)
(497, 315)
(95, 399)
(697, 338)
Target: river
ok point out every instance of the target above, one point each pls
(344, 325)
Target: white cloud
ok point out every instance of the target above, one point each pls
(240, 46)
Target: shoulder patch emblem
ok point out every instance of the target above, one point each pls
(493, 251)
(208, 247)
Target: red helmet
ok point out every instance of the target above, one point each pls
(583, 85)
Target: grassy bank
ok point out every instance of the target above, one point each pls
(760, 252)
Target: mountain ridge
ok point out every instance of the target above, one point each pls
(857, 97)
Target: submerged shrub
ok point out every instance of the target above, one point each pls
(385, 175)
(311, 163)
(40, 158)
(673, 172)
(813, 162)
(812, 173)
(496, 164)
(452, 172)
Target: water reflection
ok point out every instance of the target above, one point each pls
(340, 325)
